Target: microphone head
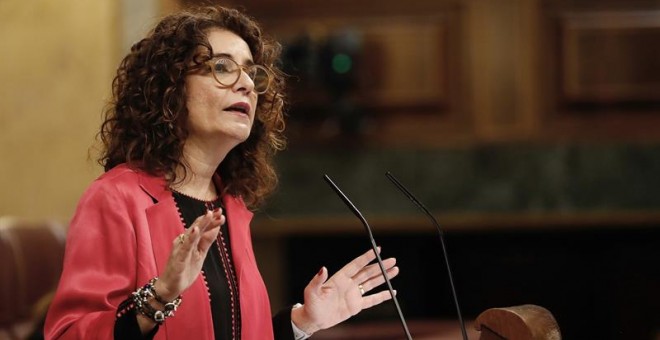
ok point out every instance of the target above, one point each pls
(344, 198)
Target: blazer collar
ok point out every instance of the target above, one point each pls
(156, 186)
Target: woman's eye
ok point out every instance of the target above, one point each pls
(221, 68)
(225, 66)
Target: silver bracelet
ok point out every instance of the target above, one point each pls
(141, 299)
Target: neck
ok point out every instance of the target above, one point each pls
(194, 184)
(202, 164)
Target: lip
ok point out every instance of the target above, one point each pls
(242, 105)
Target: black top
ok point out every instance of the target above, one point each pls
(218, 270)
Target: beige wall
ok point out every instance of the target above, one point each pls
(58, 58)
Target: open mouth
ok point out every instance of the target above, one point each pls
(239, 107)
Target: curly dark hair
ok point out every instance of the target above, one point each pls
(145, 123)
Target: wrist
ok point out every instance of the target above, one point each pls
(300, 318)
(164, 293)
(146, 296)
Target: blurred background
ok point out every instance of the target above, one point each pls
(530, 128)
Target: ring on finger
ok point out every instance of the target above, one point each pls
(182, 238)
(361, 288)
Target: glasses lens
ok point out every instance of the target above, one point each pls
(260, 77)
(226, 71)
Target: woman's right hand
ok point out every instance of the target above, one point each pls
(188, 254)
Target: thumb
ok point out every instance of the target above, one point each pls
(318, 279)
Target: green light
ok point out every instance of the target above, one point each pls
(341, 63)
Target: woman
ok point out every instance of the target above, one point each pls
(159, 246)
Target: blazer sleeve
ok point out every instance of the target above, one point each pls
(99, 270)
(282, 328)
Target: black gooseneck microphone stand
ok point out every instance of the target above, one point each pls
(442, 243)
(374, 247)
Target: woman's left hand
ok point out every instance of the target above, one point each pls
(331, 301)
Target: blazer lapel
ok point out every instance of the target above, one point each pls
(162, 217)
(238, 219)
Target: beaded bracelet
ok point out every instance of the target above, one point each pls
(141, 299)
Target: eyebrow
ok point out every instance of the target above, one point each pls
(249, 62)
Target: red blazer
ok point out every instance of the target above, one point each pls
(120, 237)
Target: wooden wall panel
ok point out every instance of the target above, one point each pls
(599, 71)
(401, 62)
(413, 56)
(611, 57)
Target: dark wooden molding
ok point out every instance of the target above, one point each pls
(457, 222)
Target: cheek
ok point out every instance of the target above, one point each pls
(206, 99)
(254, 103)
(193, 99)
(198, 95)
(201, 89)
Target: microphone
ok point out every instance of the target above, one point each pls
(442, 243)
(374, 247)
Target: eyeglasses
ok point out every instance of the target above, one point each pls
(227, 72)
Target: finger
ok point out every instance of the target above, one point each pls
(218, 216)
(379, 280)
(203, 221)
(358, 263)
(373, 270)
(183, 244)
(179, 240)
(208, 237)
(375, 299)
(315, 284)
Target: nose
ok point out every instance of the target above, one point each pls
(244, 83)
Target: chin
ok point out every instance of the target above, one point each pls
(241, 137)
(239, 133)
